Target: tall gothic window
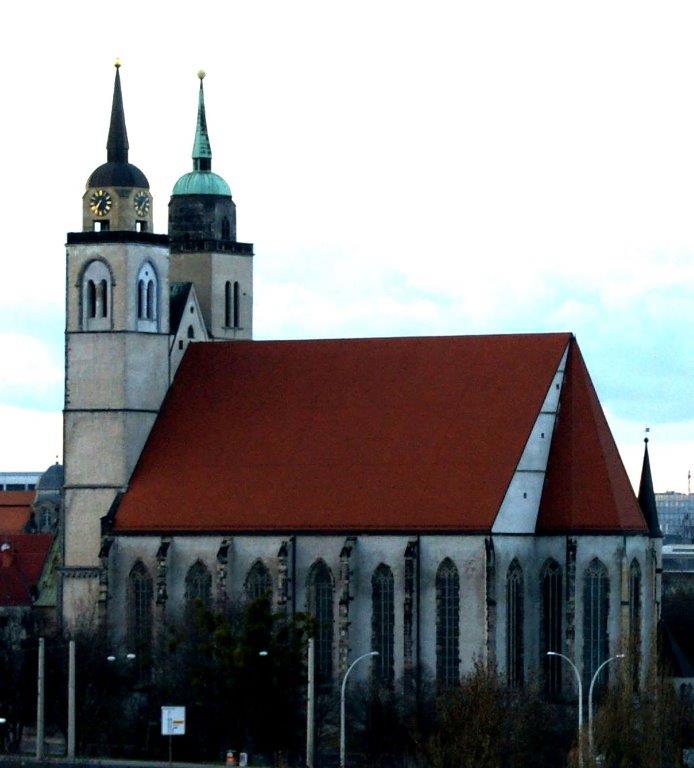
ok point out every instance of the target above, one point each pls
(237, 306)
(147, 298)
(596, 603)
(198, 585)
(139, 614)
(447, 625)
(382, 621)
(635, 616)
(228, 298)
(258, 582)
(551, 625)
(320, 606)
(96, 296)
(514, 625)
(226, 229)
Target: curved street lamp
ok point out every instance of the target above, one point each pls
(342, 703)
(580, 701)
(590, 698)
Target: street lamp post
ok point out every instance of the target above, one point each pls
(342, 703)
(590, 698)
(580, 702)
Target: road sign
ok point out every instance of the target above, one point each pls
(173, 721)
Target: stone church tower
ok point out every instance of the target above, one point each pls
(134, 301)
(117, 354)
(204, 249)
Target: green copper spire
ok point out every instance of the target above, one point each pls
(117, 144)
(202, 153)
(201, 180)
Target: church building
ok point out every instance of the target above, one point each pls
(436, 499)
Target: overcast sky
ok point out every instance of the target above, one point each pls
(402, 168)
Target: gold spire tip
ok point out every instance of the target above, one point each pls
(201, 74)
(117, 63)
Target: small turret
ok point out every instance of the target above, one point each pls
(647, 496)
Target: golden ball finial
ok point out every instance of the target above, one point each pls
(117, 63)
(201, 74)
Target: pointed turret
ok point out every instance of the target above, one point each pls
(202, 153)
(117, 144)
(117, 195)
(647, 496)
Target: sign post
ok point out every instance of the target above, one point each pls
(173, 723)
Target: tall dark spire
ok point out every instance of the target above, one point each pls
(117, 145)
(647, 496)
(202, 152)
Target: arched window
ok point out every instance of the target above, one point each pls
(198, 585)
(191, 332)
(228, 298)
(551, 625)
(96, 296)
(447, 625)
(635, 616)
(91, 299)
(139, 618)
(147, 298)
(102, 297)
(514, 625)
(382, 622)
(226, 229)
(596, 603)
(320, 606)
(258, 582)
(237, 306)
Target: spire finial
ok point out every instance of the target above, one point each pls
(117, 63)
(202, 152)
(647, 495)
(117, 144)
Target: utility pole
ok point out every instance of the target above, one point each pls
(71, 700)
(310, 704)
(41, 700)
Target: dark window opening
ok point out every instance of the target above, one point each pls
(514, 625)
(150, 299)
(258, 582)
(237, 308)
(191, 332)
(596, 604)
(140, 299)
(91, 299)
(198, 586)
(447, 625)
(320, 606)
(551, 626)
(382, 623)
(102, 297)
(226, 229)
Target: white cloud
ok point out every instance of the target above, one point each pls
(32, 372)
(31, 440)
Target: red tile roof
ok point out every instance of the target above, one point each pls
(15, 508)
(363, 434)
(586, 486)
(412, 434)
(21, 562)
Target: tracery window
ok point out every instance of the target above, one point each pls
(514, 625)
(596, 603)
(258, 581)
(320, 606)
(382, 623)
(96, 296)
(551, 625)
(139, 613)
(447, 624)
(198, 585)
(147, 298)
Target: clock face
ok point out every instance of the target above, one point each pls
(141, 202)
(100, 202)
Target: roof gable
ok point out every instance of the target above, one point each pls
(358, 434)
(586, 486)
